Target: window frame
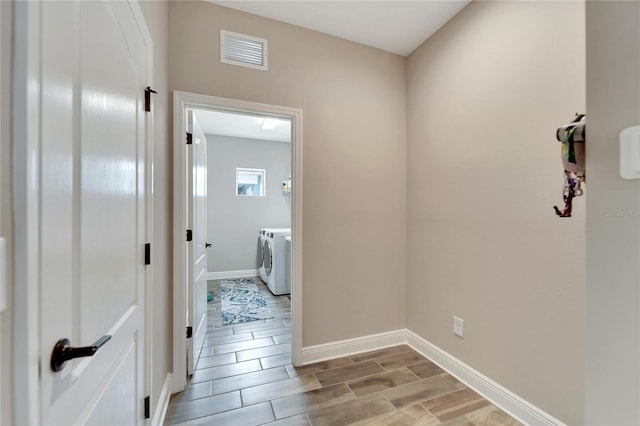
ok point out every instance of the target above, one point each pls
(262, 181)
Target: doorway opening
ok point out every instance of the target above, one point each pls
(248, 200)
(253, 175)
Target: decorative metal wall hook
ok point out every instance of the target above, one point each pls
(572, 136)
(568, 194)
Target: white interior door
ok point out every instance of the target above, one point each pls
(197, 248)
(93, 68)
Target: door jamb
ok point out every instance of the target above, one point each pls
(182, 101)
(148, 297)
(25, 159)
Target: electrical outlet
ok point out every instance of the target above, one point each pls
(458, 326)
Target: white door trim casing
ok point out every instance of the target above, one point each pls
(26, 161)
(149, 223)
(25, 119)
(163, 402)
(182, 101)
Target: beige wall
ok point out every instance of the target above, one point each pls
(354, 103)
(613, 210)
(485, 95)
(156, 15)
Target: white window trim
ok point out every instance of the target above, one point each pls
(263, 184)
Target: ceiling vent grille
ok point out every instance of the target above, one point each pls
(243, 50)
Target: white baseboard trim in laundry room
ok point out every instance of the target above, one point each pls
(163, 402)
(503, 398)
(341, 348)
(223, 275)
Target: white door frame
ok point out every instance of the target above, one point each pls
(3, 249)
(26, 160)
(181, 102)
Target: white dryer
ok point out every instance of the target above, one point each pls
(273, 268)
(262, 236)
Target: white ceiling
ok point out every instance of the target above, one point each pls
(395, 26)
(241, 126)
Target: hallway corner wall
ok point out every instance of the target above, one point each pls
(613, 216)
(485, 96)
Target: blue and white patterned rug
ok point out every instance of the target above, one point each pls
(242, 302)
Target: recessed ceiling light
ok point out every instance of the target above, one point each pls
(270, 123)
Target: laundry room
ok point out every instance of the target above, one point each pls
(248, 216)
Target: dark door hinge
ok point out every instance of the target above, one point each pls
(147, 98)
(189, 235)
(189, 138)
(189, 332)
(147, 408)
(147, 254)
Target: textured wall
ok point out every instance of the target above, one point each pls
(234, 221)
(485, 95)
(354, 103)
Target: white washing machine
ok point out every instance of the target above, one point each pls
(262, 236)
(273, 268)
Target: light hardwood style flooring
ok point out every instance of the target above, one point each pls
(244, 377)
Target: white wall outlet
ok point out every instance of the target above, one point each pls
(630, 153)
(458, 326)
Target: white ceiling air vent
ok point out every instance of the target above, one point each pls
(243, 50)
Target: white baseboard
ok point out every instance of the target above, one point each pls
(317, 353)
(500, 396)
(503, 398)
(233, 274)
(163, 402)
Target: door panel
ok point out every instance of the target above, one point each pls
(105, 413)
(92, 210)
(108, 173)
(197, 251)
(200, 212)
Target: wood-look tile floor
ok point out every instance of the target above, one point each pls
(244, 377)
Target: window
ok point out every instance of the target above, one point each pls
(250, 182)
